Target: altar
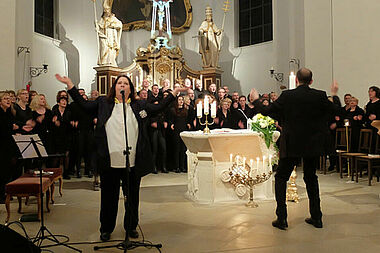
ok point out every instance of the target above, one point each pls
(208, 156)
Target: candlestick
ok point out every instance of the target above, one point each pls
(292, 81)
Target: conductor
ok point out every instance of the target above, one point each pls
(303, 112)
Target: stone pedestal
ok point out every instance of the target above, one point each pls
(211, 75)
(105, 76)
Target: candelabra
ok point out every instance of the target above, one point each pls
(206, 123)
(243, 176)
(206, 112)
(292, 192)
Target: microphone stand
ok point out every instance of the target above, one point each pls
(127, 244)
(249, 121)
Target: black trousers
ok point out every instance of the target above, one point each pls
(158, 146)
(283, 173)
(180, 158)
(84, 150)
(110, 192)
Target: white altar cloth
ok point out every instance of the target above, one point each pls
(208, 155)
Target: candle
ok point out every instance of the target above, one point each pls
(206, 105)
(193, 83)
(270, 162)
(201, 81)
(258, 164)
(264, 157)
(230, 158)
(251, 164)
(199, 110)
(292, 81)
(244, 161)
(213, 109)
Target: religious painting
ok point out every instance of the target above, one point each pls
(137, 14)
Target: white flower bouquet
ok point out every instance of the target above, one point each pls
(266, 126)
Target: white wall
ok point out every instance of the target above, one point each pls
(356, 40)
(8, 45)
(342, 43)
(318, 41)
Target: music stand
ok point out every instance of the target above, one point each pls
(31, 147)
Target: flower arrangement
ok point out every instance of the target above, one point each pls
(266, 126)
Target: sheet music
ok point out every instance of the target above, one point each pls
(26, 148)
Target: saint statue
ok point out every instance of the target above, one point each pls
(109, 30)
(209, 41)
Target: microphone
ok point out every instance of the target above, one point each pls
(122, 92)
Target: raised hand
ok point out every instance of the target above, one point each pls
(176, 91)
(334, 88)
(65, 80)
(254, 94)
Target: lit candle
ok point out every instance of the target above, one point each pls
(292, 81)
(213, 109)
(206, 105)
(258, 164)
(270, 162)
(230, 158)
(199, 110)
(264, 157)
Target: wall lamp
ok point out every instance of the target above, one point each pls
(278, 76)
(21, 49)
(36, 71)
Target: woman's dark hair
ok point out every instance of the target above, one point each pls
(375, 89)
(112, 92)
(59, 95)
(181, 112)
(60, 98)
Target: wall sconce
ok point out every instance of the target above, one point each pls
(278, 76)
(36, 71)
(21, 49)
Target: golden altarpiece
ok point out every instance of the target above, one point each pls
(158, 61)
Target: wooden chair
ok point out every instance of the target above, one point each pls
(341, 145)
(365, 143)
(370, 159)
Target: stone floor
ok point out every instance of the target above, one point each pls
(351, 219)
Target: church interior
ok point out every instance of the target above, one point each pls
(222, 197)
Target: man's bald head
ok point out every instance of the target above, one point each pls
(304, 76)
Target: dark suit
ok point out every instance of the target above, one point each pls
(110, 177)
(304, 113)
